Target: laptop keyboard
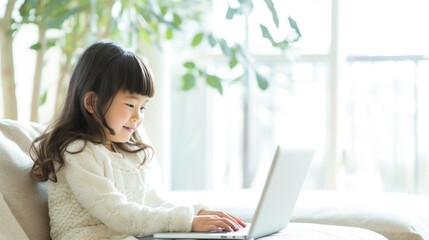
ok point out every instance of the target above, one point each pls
(241, 230)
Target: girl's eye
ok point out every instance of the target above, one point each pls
(142, 109)
(130, 105)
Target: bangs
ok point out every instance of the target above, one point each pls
(134, 76)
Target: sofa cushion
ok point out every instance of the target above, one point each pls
(397, 216)
(26, 199)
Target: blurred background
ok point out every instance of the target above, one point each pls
(234, 78)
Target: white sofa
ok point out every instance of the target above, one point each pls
(393, 215)
(23, 205)
(318, 214)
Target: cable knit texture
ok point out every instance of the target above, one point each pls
(105, 195)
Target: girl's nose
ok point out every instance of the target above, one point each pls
(138, 116)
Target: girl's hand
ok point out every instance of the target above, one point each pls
(216, 221)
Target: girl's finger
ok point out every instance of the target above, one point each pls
(223, 226)
(231, 223)
(238, 222)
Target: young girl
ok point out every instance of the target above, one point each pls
(96, 162)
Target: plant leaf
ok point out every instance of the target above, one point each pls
(230, 13)
(189, 65)
(283, 45)
(36, 46)
(262, 81)
(164, 10)
(197, 39)
(294, 26)
(188, 81)
(273, 11)
(177, 20)
(51, 42)
(233, 62)
(215, 82)
(43, 97)
(224, 46)
(145, 36)
(266, 34)
(212, 40)
(169, 34)
(57, 21)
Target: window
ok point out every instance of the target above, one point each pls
(228, 141)
(360, 102)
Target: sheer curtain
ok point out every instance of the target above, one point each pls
(354, 88)
(383, 105)
(384, 115)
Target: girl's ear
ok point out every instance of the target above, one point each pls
(89, 101)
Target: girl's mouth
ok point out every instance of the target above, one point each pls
(129, 129)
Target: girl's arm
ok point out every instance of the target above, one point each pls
(204, 220)
(152, 172)
(97, 194)
(155, 199)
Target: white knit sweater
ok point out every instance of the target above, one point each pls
(105, 195)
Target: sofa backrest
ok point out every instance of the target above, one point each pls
(26, 199)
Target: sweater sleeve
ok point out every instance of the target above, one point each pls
(157, 200)
(86, 176)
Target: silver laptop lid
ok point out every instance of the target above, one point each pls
(281, 190)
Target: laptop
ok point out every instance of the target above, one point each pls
(276, 203)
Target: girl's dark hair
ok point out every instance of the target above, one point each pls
(104, 68)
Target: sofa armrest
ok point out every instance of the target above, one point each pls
(25, 198)
(397, 216)
(9, 227)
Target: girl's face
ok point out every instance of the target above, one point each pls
(125, 115)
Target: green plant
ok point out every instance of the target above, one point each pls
(237, 55)
(80, 22)
(45, 15)
(131, 22)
